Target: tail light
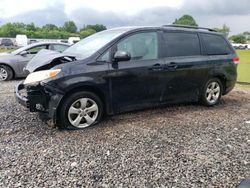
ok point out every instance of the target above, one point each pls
(236, 60)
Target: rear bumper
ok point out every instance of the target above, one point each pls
(41, 98)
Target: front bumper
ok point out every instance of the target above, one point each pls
(41, 98)
(23, 100)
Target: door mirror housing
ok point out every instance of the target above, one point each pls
(121, 56)
(23, 53)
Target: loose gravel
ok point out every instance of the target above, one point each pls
(175, 146)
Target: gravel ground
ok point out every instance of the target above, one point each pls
(174, 146)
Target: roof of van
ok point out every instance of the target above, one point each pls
(169, 27)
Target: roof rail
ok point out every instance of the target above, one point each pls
(189, 27)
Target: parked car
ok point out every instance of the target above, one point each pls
(21, 40)
(130, 68)
(63, 41)
(240, 46)
(13, 63)
(73, 40)
(6, 43)
(31, 41)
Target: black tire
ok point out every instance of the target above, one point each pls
(205, 94)
(63, 120)
(9, 72)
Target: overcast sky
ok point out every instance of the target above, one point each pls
(113, 13)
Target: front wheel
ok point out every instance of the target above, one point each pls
(80, 111)
(212, 92)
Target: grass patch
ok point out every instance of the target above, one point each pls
(244, 73)
(5, 50)
(244, 66)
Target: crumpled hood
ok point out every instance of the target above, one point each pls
(45, 58)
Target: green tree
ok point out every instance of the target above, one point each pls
(96, 27)
(31, 27)
(238, 38)
(9, 30)
(185, 20)
(87, 32)
(48, 31)
(224, 29)
(70, 27)
(247, 35)
(50, 27)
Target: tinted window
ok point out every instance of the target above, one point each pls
(215, 45)
(59, 47)
(182, 44)
(141, 46)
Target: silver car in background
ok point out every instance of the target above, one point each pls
(13, 63)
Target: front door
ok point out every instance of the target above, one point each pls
(139, 82)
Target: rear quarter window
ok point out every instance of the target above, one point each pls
(181, 44)
(216, 44)
(59, 47)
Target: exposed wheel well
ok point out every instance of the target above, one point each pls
(10, 69)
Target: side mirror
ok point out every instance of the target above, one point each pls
(121, 56)
(23, 53)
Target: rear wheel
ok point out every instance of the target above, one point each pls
(5, 73)
(212, 92)
(80, 111)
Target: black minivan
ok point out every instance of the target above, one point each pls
(128, 68)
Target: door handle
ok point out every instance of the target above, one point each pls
(156, 67)
(172, 65)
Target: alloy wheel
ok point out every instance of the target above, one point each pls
(83, 112)
(3, 74)
(213, 92)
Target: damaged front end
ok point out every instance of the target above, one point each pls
(37, 95)
(47, 59)
(40, 98)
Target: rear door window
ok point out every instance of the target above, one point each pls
(181, 44)
(215, 44)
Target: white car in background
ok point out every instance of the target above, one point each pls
(73, 40)
(21, 40)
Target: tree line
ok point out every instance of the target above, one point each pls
(69, 29)
(51, 31)
(239, 38)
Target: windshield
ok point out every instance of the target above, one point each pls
(19, 50)
(88, 46)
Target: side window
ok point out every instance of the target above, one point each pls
(182, 44)
(58, 47)
(215, 44)
(36, 49)
(106, 56)
(141, 46)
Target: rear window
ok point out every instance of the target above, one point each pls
(215, 44)
(182, 44)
